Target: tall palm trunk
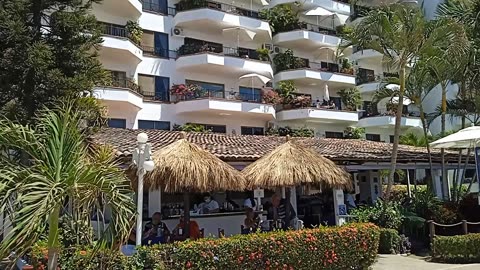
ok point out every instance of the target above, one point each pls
(396, 136)
(446, 192)
(425, 134)
(53, 243)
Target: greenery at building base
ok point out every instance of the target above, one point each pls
(51, 173)
(389, 241)
(457, 249)
(45, 55)
(293, 132)
(353, 246)
(351, 97)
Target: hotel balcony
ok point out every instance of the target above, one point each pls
(388, 121)
(120, 92)
(308, 37)
(117, 45)
(311, 73)
(222, 104)
(215, 17)
(341, 6)
(368, 82)
(131, 9)
(213, 58)
(366, 55)
(318, 115)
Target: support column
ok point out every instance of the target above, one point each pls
(339, 206)
(154, 202)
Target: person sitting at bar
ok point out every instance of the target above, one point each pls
(251, 223)
(179, 231)
(249, 201)
(156, 231)
(209, 205)
(277, 212)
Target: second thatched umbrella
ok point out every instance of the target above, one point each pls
(186, 167)
(292, 164)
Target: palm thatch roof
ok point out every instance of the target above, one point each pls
(185, 167)
(292, 164)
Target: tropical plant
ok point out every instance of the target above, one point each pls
(282, 18)
(354, 132)
(402, 34)
(383, 214)
(293, 132)
(55, 174)
(347, 67)
(134, 31)
(270, 96)
(191, 127)
(413, 140)
(351, 97)
(287, 90)
(286, 61)
(48, 54)
(263, 54)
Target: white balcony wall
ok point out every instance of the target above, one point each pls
(318, 115)
(335, 6)
(119, 97)
(112, 63)
(121, 48)
(226, 107)
(118, 11)
(156, 22)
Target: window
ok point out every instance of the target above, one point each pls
(162, 88)
(119, 78)
(159, 6)
(250, 94)
(335, 135)
(161, 44)
(211, 89)
(117, 123)
(147, 124)
(252, 131)
(391, 138)
(214, 128)
(373, 137)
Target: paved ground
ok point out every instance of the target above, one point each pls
(397, 262)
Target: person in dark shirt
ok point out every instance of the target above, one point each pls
(277, 212)
(156, 230)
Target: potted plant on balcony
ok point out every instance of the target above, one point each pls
(286, 90)
(134, 31)
(351, 97)
(183, 92)
(270, 96)
(263, 54)
(282, 18)
(286, 60)
(302, 101)
(347, 67)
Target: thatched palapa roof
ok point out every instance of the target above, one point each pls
(185, 167)
(292, 164)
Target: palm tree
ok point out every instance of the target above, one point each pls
(53, 173)
(401, 33)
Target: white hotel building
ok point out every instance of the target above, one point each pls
(214, 45)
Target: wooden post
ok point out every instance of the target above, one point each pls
(431, 228)
(465, 227)
(186, 212)
(288, 211)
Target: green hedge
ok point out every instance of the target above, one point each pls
(457, 249)
(353, 246)
(389, 241)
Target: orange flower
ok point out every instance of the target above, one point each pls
(82, 252)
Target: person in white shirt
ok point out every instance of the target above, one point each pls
(249, 201)
(209, 205)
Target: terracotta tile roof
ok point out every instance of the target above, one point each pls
(248, 148)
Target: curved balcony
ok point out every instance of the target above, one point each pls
(117, 45)
(313, 114)
(366, 55)
(131, 9)
(340, 6)
(220, 103)
(222, 60)
(214, 17)
(308, 37)
(120, 92)
(388, 121)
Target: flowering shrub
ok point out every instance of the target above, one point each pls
(350, 247)
(457, 249)
(270, 96)
(182, 90)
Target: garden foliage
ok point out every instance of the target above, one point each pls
(457, 249)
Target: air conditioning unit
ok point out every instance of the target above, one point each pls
(177, 32)
(268, 46)
(277, 49)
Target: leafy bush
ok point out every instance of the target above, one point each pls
(134, 31)
(349, 247)
(286, 61)
(457, 249)
(286, 90)
(383, 214)
(191, 127)
(294, 132)
(389, 241)
(354, 132)
(282, 18)
(271, 97)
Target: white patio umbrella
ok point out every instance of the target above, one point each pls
(326, 93)
(254, 79)
(240, 33)
(465, 138)
(319, 12)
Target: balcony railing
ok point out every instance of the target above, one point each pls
(154, 96)
(125, 83)
(156, 8)
(316, 28)
(320, 66)
(189, 5)
(116, 31)
(222, 95)
(194, 48)
(159, 52)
